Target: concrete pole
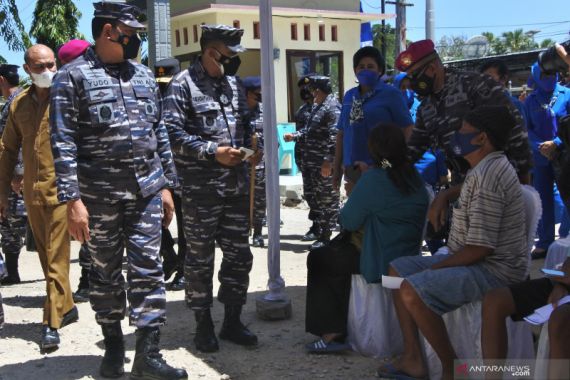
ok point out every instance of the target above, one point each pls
(430, 20)
(400, 26)
(158, 13)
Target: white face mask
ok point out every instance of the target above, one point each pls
(44, 79)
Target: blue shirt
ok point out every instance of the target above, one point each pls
(385, 105)
(432, 166)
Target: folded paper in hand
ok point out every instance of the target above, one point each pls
(391, 282)
(542, 314)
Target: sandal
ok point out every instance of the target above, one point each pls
(322, 347)
(388, 371)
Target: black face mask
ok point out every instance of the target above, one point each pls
(230, 64)
(130, 45)
(422, 84)
(258, 98)
(306, 94)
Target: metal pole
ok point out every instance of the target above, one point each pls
(430, 20)
(275, 284)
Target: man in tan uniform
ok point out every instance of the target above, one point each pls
(28, 127)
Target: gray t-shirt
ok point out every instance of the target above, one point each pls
(490, 213)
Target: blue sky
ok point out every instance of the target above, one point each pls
(452, 17)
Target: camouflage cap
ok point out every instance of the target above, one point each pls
(165, 69)
(125, 13)
(320, 82)
(230, 36)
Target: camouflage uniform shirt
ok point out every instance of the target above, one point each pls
(107, 137)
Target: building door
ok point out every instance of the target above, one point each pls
(303, 62)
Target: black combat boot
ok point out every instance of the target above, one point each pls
(324, 239)
(148, 363)
(205, 339)
(178, 283)
(82, 293)
(12, 268)
(113, 364)
(233, 330)
(257, 240)
(312, 234)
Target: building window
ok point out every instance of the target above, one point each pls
(334, 33)
(195, 33)
(256, 30)
(294, 32)
(307, 32)
(177, 36)
(185, 34)
(321, 32)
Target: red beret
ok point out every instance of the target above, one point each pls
(71, 50)
(414, 53)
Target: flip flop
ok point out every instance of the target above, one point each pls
(322, 347)
(390, 372)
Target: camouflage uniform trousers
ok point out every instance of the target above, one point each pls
(309, 193)
(259, 200)
(208, 219)
(13, 230)
(326, 198)
(135, 225)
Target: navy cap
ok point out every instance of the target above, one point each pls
(230, 36)
(321, 82)
(165, 69)
(252, 82)
(8, 70)
(125, 13)
(304, 80)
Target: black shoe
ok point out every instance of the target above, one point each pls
(258, 241)
(10, 280)
(113, 363)
(309, 236)
(81, 295)
(70, 317)
(538, 254)
(319, 244)
(178, 283)
(50, 338)
(148, 363)
(233, 330)
(205, 339)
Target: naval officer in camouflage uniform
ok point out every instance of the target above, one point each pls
(255, 115)
(320, 138)
(12, 228)
(204, 111)
(113, 165)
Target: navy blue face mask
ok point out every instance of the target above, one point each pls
(461, 143)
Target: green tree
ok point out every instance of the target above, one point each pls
(390, 41)
(55, 22)
(517, 40)
(450, 48)
(12, 30)
(546, 43)
(496, 45)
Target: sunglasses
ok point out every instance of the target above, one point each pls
(42, 66)
(418, 73)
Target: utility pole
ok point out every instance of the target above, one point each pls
(430, 20)
(158, 14)
(400, 24)
(383, 30)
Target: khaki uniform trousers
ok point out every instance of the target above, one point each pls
(49, 226)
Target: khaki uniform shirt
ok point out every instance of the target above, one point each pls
(28, 127)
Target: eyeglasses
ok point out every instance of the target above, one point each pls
(43, 66)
